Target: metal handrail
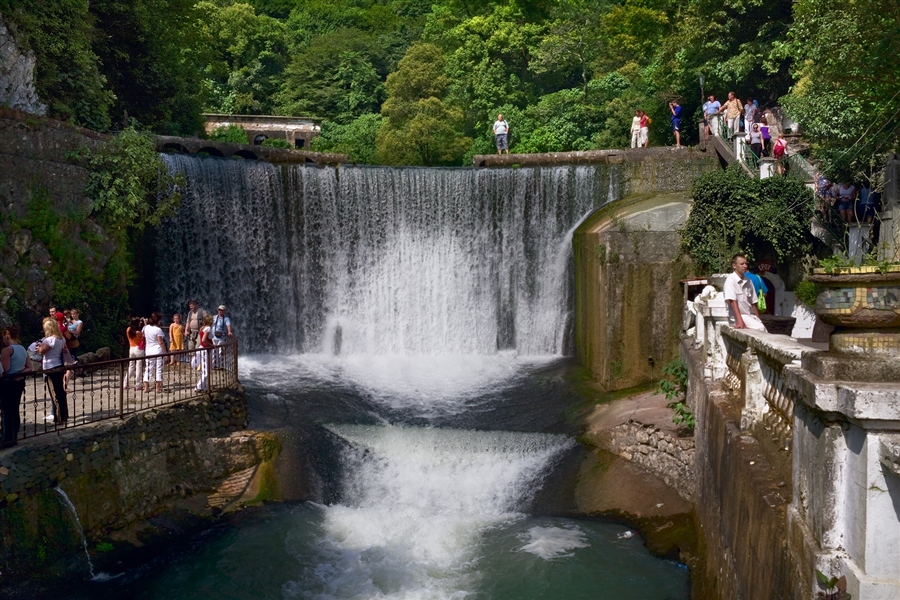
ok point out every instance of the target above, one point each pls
(103, 390)
(748, 157)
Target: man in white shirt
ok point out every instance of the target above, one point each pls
(740, 297)
(501, 132)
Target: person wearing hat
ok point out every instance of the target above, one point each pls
(193, 322)
(221, 331)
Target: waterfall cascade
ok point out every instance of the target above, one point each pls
(378, 260)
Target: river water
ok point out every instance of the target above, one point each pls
(406, 332)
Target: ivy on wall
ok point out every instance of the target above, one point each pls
(763, 218)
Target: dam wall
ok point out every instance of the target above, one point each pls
(628, 268)
(122, 479)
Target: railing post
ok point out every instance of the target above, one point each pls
(121, 386)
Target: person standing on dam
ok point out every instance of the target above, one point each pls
(501, 134)
(740, 297)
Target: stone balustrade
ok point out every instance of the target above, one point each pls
(829, 424)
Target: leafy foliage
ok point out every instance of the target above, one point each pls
(128, 183)
(356, 139)
(763, 218)
(276, 143)
(419, 128)
(232, 133)
(674, 386)
(845, 96)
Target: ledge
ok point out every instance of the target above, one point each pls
(889, 456)
(587, 157)
(780, 348)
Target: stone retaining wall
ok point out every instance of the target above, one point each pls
(669, 458)
(117, 474)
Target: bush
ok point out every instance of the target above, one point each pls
(232, 134)
(732, 213)
(276, 143)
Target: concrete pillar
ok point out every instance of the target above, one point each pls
(766, 167)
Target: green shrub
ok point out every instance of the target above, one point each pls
(276, 143)
(734, 213)
(232, 134)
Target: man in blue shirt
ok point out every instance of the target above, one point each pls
(676, 121)
(710, 111)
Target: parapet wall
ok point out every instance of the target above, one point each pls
(118, 474)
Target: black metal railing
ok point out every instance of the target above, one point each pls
(115, 389)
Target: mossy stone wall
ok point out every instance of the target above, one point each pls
(116, 473)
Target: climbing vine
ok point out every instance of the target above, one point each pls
(732, 213)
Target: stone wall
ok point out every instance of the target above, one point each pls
(742, 498)
(117, 474)
(669, 458)
(628, 294)
(17, 74)
(33, 164)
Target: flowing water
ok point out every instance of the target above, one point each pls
(405, 331)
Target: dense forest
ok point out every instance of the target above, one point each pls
(421, 81)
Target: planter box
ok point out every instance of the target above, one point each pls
(863, 304)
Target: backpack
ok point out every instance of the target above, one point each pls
(221, 331)
(778, 149)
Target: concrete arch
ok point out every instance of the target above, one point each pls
(245, 154)
(174, 147)
(212, 151)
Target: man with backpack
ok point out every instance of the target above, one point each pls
(221, 331)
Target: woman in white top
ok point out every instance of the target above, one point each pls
(846, 198)
(51, 349)
(155, 347)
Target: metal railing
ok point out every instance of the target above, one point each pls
(748, 158)
(115, 389)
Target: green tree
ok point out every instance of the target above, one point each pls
(488, 58)
(419, 128)
(333, 78)
(62, 35)
(356, 139)
(247, 56)
(149, 55)
(845, 97)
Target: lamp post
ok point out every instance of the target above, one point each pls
(702, 94)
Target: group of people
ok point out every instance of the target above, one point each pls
(854, 204)
(147, 340)
(759, 126)
(59, 346)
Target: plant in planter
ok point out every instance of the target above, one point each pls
(862, 303)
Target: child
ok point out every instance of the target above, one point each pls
(176, 337)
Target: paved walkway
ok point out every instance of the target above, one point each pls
(97, 394)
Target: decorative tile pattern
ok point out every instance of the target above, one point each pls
(847, 300)
(879, 343)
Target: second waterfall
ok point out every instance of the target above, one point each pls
(379, 260)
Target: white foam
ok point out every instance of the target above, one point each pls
(416, 502)
(429, 384)
(554, 542)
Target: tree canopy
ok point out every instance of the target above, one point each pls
(567, 73)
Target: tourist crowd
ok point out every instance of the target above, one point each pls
(60, 346)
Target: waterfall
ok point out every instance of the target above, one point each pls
(415, 505)
(78, 526)
(379, 260)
